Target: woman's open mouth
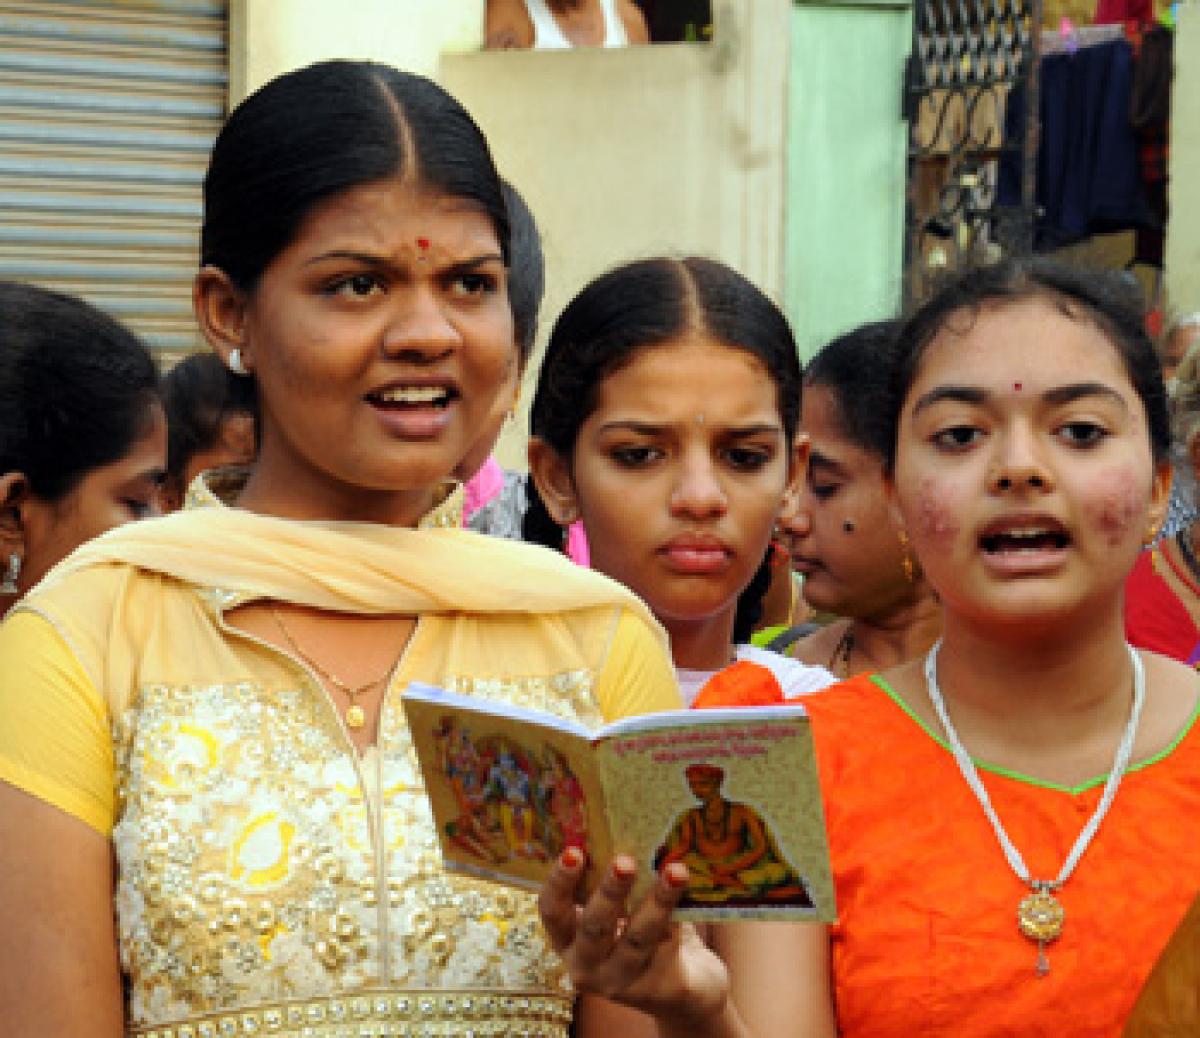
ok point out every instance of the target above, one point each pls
(413, 397)
(414, 411)
(1028, 539)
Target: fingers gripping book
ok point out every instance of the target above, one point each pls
(731, 793)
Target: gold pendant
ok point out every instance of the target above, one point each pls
(355, 716)
(1040, 916)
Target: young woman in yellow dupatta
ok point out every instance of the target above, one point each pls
(210, 814)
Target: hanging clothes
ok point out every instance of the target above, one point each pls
(1150, 117)
(1088, 180)
(1112, 12)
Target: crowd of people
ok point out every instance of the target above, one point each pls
(211, 817)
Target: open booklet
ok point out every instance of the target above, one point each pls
(731, 793)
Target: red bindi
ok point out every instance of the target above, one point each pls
(1017, 386)
(422, 244)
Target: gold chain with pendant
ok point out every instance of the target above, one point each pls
(355, 716)
(1040, 915)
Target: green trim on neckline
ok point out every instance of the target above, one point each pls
(1029, 780)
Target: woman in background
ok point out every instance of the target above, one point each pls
(664, 420)
(82, 434)
(840, 536)
(1162, 594)
(210, 422)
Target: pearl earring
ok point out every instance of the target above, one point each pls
(9, 586)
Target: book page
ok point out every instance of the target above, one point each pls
(735, 797)
(509, 793)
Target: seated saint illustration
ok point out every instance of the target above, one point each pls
(729, 850)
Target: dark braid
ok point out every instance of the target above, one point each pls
(750, 601)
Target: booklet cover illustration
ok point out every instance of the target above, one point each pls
(732, 794)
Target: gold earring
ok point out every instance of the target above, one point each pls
(1151, 535)
(906, 561)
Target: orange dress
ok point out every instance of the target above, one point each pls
(927, 941)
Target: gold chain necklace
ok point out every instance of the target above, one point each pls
(356, 717)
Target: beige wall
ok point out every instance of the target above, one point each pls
(1183, 228)
(268, 37)
(622, 154)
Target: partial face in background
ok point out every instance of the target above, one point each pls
(1176, 347)
(1024, 472)
(107, 496)
(234, 446)
(842, 537)
(380, 338)
(679, 475)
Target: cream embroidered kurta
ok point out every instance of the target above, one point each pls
(260, 888)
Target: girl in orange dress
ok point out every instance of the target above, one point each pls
(1004, 814)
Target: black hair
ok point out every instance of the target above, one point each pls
(636, 307)
(1105, 298)
(199, 393)
(856, 369)
(314, 133)
(77, 388)
(526, 271)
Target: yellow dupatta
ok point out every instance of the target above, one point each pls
(350, 566)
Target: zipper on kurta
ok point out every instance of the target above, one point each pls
(381, 857)
(374, 813)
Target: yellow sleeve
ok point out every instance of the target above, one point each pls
(637, 677)
(54, 730)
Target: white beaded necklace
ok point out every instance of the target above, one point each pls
(1040, 914)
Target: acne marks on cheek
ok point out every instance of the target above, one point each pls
(1120, 504)
(935, 520)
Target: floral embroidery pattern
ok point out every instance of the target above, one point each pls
(254, 868)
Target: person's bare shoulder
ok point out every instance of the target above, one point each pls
(634, 21)
(1173, 696)
(507, 26)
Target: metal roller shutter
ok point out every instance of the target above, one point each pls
(108, 110)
